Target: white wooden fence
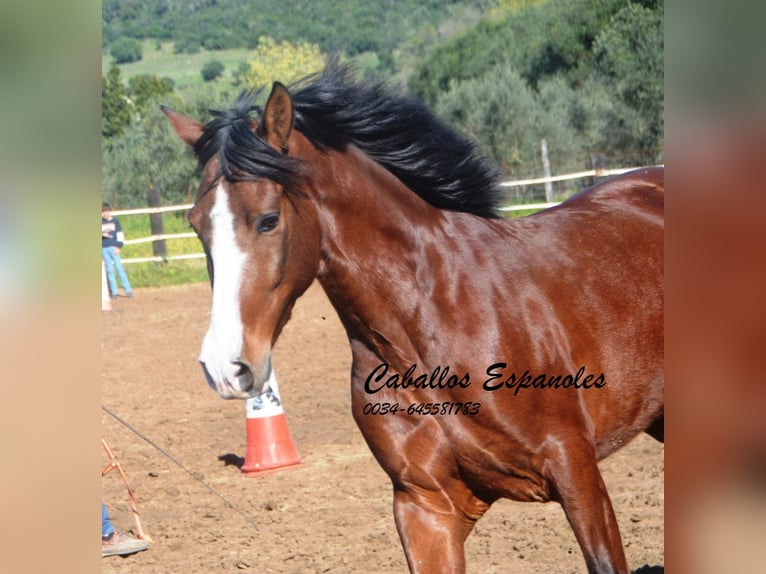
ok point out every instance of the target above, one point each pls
(553, 179)
(519, 207)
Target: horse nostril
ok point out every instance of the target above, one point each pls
(244, 375)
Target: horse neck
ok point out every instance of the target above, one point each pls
(383, 251)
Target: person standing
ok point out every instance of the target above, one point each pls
(112, 239)
(114, 543)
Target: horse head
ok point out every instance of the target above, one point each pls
(261, 252)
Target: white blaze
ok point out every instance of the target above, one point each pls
(223, 341)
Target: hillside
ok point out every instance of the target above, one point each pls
(160, 59)
(585, 76)
(350, 27)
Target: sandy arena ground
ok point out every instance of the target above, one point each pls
(332, 514)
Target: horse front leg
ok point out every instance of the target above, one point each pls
(433, 530)
(582, 493)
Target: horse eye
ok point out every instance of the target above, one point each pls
(267, 222)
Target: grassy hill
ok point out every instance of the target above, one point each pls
(183, 69)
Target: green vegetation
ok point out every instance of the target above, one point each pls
(585, 75)
(172, 272)
(350, 27)
(181, 272)
(126, 50)
(283, 61)
(183, 70)
(212, 70)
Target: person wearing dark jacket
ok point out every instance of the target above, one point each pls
(112, 239)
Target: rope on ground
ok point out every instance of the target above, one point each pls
(194, 475)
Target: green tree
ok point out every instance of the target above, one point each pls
(239, 74)
(593, 69)
(126, 50)
(212, 70)
(539, 40)
(629, 56)
(116, 107)
(282, 61)
(145, 156)
(499, 111)
(575, 121)
(558, 37)
(146, 87)
(467, 56)
(350, 27)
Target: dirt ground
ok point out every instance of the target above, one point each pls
(333, 513)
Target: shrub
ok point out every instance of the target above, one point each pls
(212, 70)
(126, 50)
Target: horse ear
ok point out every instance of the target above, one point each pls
(188, 130)
(278, 117)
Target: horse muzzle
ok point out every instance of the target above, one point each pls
(237, 379)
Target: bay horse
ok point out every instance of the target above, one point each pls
(491, 357)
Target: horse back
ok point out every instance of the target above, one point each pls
(595, 264)
(638, 191)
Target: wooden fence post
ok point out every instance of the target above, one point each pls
(159, 249)
(547, 170)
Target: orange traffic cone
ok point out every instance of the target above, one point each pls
(269, 446)
(106, 298)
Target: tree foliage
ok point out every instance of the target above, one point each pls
(350, 27)
(146, 155)
(212, 70)
(595, 67)
(126, 50)
(629, 55)
(115, 105)
(138, 149)
(282, 61)
(145, 88)
(585, 75)
(500, 111)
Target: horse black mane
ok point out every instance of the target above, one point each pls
(333, 111)
(241, 154)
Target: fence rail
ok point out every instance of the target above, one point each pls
(158, 259)
(576, 175)
(151, 238)
(186, 207)
(554, 179)
(150, 210)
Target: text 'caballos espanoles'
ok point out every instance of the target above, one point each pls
(496, 378)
